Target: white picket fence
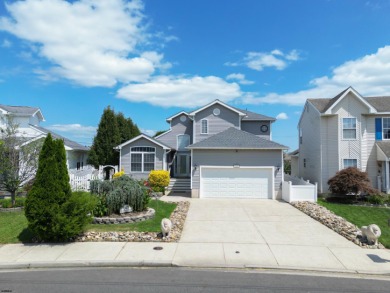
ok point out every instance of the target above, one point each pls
(81, 183)
(297, 189)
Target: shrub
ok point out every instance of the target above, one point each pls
(6, 203)
(52, 211)
(158, 179)
(119, 174)
(101, 208)
(114, 194)
(351, 181)
(377, 199)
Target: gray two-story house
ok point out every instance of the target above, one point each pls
(223, 152)
(343, 131)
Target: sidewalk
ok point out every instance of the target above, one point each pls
(214, 255)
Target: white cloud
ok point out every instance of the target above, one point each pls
(369, 75)
(168, 91)
(149, 132)
(90, 42)
(6, 44)
(260, 60)
(240, 78)
(282, 116)
(76, 130)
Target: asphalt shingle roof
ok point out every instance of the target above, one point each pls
(69, 143)
(23, 110)
(381, 104)
(385, 147)
(233, 138)
(254, 116)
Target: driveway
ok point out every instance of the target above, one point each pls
(231, 232)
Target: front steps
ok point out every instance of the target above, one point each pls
(179, 185)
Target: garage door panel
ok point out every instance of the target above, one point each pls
(236, 182)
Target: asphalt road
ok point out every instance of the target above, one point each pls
(179, 280)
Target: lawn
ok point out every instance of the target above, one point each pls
(13, 226)
(363, 216)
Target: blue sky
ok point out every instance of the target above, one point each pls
(150, 59)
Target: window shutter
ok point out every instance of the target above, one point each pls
(378, 128)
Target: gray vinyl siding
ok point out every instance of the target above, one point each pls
(310, 149)
(254, 127)
(369, 154)
(177, 127)
(247, 158)
(125, 157)
(226, 119)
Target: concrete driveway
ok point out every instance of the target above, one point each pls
(231, 232)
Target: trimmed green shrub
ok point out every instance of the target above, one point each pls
(351, 181)
(6, 203)
(101, 208)
(158, 180)
(52, 211)
(377, 199)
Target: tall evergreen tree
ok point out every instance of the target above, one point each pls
(107, 137)
(113, 130)
(50, 190)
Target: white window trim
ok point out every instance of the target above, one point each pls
(201, 126)
(142, 158)
(357, 166)
(342, 128)
(383, 137)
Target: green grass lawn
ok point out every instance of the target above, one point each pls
(363, 216)
(13, 226)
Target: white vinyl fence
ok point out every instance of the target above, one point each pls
(297, 189)
(81, 183)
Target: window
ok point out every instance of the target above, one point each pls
(350, 163)
(349, 128)
(183, 141)
(300, 136)
(142, 159)
(205, 127)
(386, 128)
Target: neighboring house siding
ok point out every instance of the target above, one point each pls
(241, 157)
(350, 107)
(330, 149)
(369, 154)
(125, 157)
(254, 128)
(310, 149)
(226, 119)
(177, 127)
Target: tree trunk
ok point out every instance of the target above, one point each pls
(13, 197)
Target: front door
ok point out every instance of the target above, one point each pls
(183, 165)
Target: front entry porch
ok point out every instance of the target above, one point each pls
(180, 165)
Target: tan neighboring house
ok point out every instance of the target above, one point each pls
(343, 131)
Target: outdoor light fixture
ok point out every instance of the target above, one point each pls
(195, 167)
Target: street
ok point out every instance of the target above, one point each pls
(142, 280)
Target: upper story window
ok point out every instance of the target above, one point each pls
(142, 159)
(386, 128)
(349, 128)
(300, 136)
(350, 163)
(183, 141)
(204, 126)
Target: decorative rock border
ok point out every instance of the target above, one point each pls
(11, 210)
(177, 217)
(334, 222)
(126, 219)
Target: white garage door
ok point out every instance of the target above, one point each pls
(236, 182)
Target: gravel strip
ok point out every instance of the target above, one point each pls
(177, 217)
(334, 222)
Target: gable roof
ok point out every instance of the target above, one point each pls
(22, 110)
(385, 147)
(252, 116)
(376, 104)
(220, 103)
(67, 142)
(177, 114)
(233, 138)
(142, 135)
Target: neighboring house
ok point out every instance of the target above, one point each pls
(347, 130)
(28, 120)
(221, 150)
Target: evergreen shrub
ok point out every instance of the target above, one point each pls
(158, 180)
